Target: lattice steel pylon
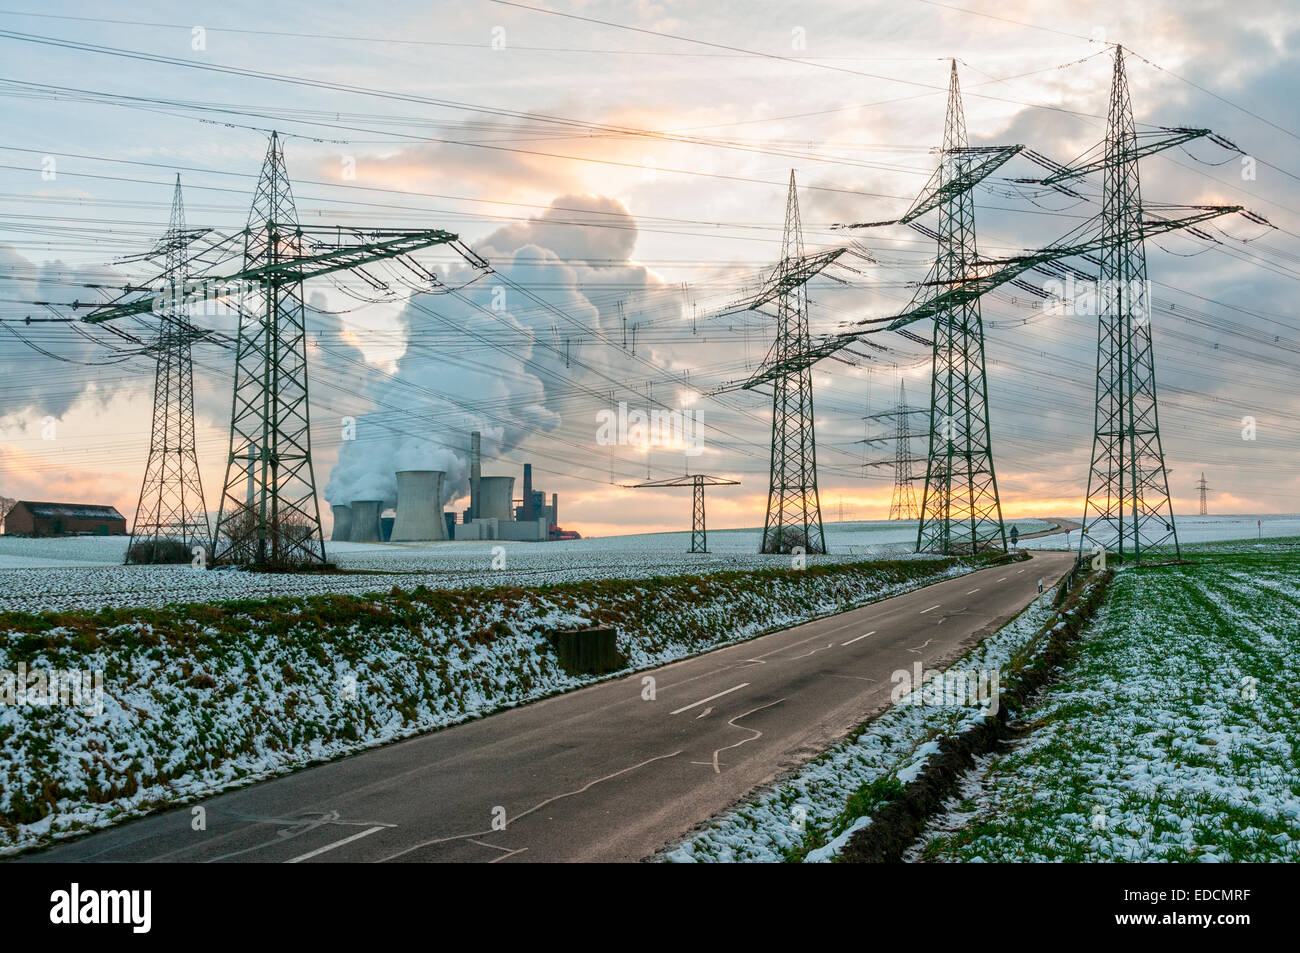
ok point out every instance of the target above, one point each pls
(270, 436)
(794, 516)
(902, 504)
(960, 509)
(1128, 508)
(170, 508)
(698, 481)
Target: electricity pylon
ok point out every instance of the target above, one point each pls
(1204, 488)
(1128, 508)
(171, 495)
(902, 505)
(699, 531)
(960, 509)
(794, 516)
(270, 426)
(276, 522)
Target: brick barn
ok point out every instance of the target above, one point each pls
(63, 519)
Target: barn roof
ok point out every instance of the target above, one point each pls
(85, 511)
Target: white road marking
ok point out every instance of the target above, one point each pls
(709, 699)
(1004, 579)
(1019, 571)
(856, 637)
(703, 713)
(917, 650)
(931, 609)
(973, 591)
(329, 847)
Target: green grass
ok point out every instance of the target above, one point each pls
(1172, 735)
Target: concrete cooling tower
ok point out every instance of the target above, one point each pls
(495, 494)
(419, 506)
(365, 521)
(342, 523)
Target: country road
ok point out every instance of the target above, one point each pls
(600, 774)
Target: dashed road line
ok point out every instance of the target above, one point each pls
(973, 591)
(931, 609)
(709, 699)
(338, 843)
(857, 637)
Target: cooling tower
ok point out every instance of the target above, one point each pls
(495, 498)
(365, 521)
(419, 506)
(342, 523)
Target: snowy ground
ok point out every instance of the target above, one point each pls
(1172, 738)
(44, 575)
(1197, 529)
(202, 697)
(809, 815)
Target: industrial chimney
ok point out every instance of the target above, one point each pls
(529, 514)
(475, 475)
(419, 506)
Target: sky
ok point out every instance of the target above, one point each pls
(624, 169)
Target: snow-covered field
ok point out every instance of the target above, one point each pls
(200, 698)
(43, 575)
(1172, 738)
(1197, 529)
(806, 816)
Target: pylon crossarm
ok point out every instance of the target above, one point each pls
(976, 163)
(1168, 139)
(382, 244)
(791, 274)
(994, 272)
(688, 480)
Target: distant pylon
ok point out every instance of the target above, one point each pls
(171, 495)
(1128, 463)
(960, 510)
(1204, 488)
(699, 530)
(794, 516)
(902, 505)
(269, 418)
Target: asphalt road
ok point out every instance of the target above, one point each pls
(600, 774)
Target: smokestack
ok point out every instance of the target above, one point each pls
(528, 493)
(342, 523)
(475, 475)
(419, 506)
(497, 492)
(555, 508)
(365, 521)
